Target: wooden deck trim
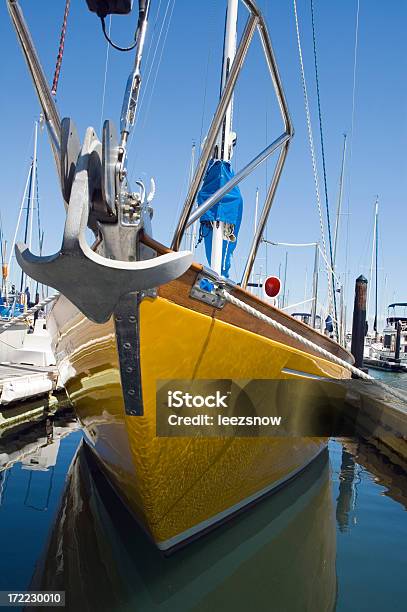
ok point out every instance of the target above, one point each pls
(178, 291)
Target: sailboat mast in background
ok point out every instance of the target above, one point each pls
(4, 269)
(376, 266)
(373, 264)
(340, 198)
(191, 233)
(30, 202)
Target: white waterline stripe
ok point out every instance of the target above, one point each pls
(304, 374)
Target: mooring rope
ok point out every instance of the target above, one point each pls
(28, 312)
(60, 50)
(292, 334)
(308, 343)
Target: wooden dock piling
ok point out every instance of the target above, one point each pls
(359, 321)
(398, 342)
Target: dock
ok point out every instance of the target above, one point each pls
(384, 365)
(379, 413)
(27, 392)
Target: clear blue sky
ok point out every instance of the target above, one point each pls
(173, 111)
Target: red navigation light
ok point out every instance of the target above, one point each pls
(272, 286)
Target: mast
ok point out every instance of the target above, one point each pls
(192, 235)
(279, 295)
(4, 269)
(377, 263)
(315, 287)
(41, 242)
(256, 211)
(373, 259)
(224, 145)
(285, 298)
(340, 197)
(30, 201)
(20, 212)
(342, 330)
(27, 218)
(34, 185)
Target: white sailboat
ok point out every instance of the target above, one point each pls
(24, 338)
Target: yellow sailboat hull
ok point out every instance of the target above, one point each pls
(179, 487)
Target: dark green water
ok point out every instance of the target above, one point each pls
(333, 539)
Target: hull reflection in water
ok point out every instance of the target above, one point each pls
(279, 555)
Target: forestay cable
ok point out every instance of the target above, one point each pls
(159, 63)
(151, 65)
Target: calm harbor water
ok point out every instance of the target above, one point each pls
(333, 539)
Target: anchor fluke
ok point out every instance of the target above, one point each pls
(96, 284)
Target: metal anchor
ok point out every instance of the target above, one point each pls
(92, 282)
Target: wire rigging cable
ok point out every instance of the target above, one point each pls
(158, 63)
(60, 50)
(165, 27)
(323, 152)
(312, 149)
(153, 32)
(149, 67)
(158, 67)
(102, 110)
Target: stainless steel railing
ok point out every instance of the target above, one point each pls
(254, 22)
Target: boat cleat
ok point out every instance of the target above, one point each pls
(206, 289)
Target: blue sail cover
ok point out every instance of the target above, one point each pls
(229, 209)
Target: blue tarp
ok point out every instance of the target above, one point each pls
(228, 210)
(6, 312)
